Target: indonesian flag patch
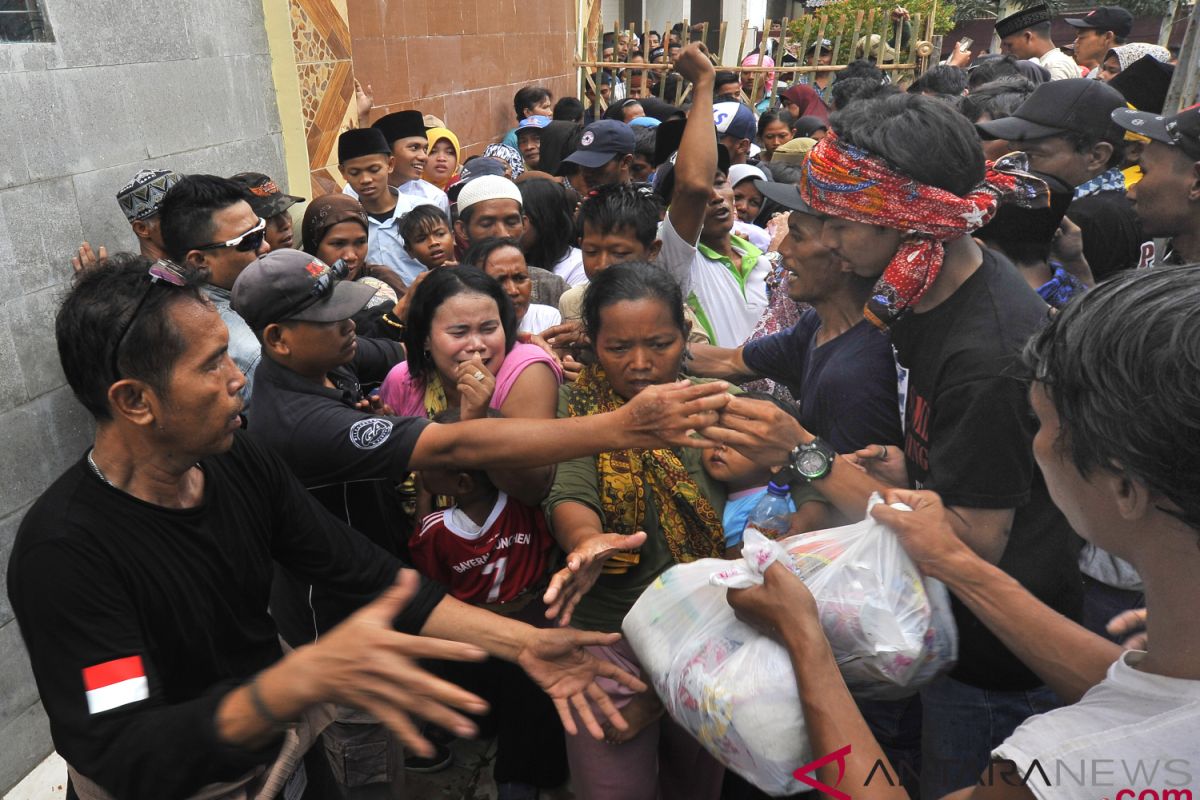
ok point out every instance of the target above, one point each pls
(115, 683)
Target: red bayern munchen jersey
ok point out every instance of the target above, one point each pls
(493, 564)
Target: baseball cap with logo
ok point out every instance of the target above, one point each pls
(1181, 130)
(292, 286)
(1105, 18)
(264, 195)
(736, 120)
(601, 142)
(535, 122)
(1073, 105)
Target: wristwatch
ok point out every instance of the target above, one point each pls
(812, 461)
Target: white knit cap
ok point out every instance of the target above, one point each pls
(487, 187)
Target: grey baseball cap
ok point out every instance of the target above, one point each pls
(290, 285)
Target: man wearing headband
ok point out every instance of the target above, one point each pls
(208, 223)
(900, 207)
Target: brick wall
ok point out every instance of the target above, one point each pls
(462, 60)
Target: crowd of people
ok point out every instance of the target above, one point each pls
(395, 474)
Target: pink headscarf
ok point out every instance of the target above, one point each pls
(752, 60)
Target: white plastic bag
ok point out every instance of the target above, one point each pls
(734, 689)
(891, 630)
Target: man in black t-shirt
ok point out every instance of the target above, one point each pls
(140, 579)
(959, 317)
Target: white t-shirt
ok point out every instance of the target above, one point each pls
(1132, 731)
(570, 268)
(539, 317)
(729, 308)
(1060, 65)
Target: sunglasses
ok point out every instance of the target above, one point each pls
(249, 241)
(161, 271)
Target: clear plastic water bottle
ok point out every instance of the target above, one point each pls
(772, 515)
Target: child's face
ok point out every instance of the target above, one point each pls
(733, 469)
(603, 249)
(444, 481)
(432, 245)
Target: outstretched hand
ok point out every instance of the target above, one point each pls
(672, 414)
(366, 664)
(885, 463)
(761, 431)
(926, 533)
(556, 661)
(782, 600)
(584, 565)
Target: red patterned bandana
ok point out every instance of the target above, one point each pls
(848, 182)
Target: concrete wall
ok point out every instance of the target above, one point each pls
(462, 60)
(127, 83)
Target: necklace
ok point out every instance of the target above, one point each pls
(92, 463)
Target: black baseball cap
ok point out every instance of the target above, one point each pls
(786, 194)
(1074, 105)
(1105, 18)
(265, 197)
(290, 285)
(1180, 130)
(601, 142)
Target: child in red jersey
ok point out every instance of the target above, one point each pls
(488, 548)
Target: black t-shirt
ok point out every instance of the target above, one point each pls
(350, 460)
(107, 587)
(1112, 234)
(846, 387)
(969, 436)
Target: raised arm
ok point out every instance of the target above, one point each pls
(697, 160)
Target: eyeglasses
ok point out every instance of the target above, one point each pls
(249, 241)
(160, 271)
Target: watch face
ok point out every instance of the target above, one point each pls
(811, 463)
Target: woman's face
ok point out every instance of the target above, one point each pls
(347, 241)
(466, 326)
(775, 134)
(442, 162)
(747, 201)
(507, 265)
(1110, 69)
(639, 345)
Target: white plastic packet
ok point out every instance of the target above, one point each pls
(734, 689)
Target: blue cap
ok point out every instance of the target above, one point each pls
(601, 142)
(536, 122)
(645, 122)
(736, 120)
(778, 490)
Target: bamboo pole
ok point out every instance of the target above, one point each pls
(779, 51)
